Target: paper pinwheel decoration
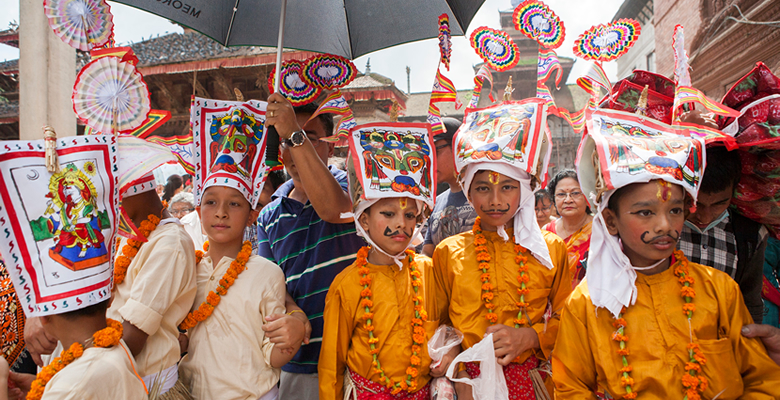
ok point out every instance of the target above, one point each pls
(535, 20)
(445, 40)
(495, 47)
(293, 86)
(327, 71)
(607, 42)
(111, 96)
(82, 24)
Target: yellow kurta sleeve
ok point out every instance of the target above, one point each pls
(559, 292)
(336, 337)
(573, 365)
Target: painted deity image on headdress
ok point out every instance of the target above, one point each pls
(235, 138)
(73, 220)
(507, 132)
(636, 146)
(397, 160)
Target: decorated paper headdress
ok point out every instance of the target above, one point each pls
(391, 160)
(620, 149)
(230, 146)
(138, 158)
(495, 47)
(508, 138)
(59, 225)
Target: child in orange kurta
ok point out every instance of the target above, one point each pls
(381, 310)
(645, 323)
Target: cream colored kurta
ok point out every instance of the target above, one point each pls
(99, 374)
(585, 356)
(157, 294)
(229, 354)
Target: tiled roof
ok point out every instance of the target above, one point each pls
(188, 46)
(9, 109)
(417, 105)
(7, 66)
(370, 80)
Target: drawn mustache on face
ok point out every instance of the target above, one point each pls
(675, 239)
(495, 210)
(389, 233)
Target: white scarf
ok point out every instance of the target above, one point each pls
(529, 235)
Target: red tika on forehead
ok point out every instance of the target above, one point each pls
(664, 190)
(493, 177)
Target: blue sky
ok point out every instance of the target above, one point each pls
(133, 25)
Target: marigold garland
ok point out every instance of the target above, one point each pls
(419, 336)
(694, 383)
(107, 337)
(523, 278)
(206, 308)
(130, 250)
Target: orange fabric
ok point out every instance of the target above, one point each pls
(345, 339)
(585, 356)
(459, 287)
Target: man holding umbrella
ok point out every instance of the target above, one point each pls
(302, 231)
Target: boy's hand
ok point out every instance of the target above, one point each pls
(184, 342)
(20, 385)
(280, 114)
(37, 341)
(511, 342)
(284, 330)
(446, 360)
(463, 389)
(4, 370)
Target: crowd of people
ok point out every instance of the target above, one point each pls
(613, 281)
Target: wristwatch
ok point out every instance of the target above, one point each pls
(297, 138)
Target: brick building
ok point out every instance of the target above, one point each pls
(724, 39)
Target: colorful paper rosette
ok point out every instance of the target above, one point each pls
(110, 96)
(495, 47)
(293, 86)
(445, 40)
(607, 42)
(82, 24)
(535, 20)
(328, 71)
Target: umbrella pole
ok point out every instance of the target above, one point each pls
(280, 46)
(272, 154)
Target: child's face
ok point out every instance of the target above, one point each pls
(495, 197)
(648, 219)
(224, 212)
(390, 223)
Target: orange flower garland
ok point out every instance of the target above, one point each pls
(206, 308)
(694, 383)
(107, 337)
(483, 258)
(130, 250)
(418, 332)
(625, 372)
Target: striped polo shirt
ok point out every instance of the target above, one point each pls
(311, 252)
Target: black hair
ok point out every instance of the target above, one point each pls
(561, 175)
(723, 170)
(276, 179)
(89, 311)
(543, 194)
(615, 198)
(326, 119)
(174, 183)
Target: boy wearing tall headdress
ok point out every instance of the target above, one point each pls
(505, 276)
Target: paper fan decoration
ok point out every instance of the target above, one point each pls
(535, 20)
(445, 40)
(328, 71)
(607, 42)
(495, 47)
(293, 86)
(111, 96)
(82, 24)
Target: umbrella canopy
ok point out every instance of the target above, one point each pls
(349, 28)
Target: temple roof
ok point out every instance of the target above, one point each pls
(188, 46)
